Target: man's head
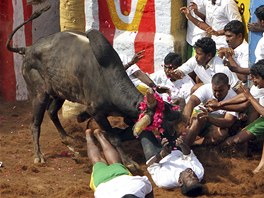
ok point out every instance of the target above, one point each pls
(234, 33)
(190, 184)
(205, 49)
(171, 61)
(257, 73)
(259, 12)
(220, 86)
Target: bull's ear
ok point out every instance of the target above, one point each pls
(151, 100)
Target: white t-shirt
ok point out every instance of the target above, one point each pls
(214, 66)
(179, 88)
(241, 55)
(193, 32)
(258, 94)
(166, 173)
(205, 92)
(259, 51)
(139, 186)
(130, 71)
(218, 15)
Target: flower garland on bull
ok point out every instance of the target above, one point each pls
(157, 117)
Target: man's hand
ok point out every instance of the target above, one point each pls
(255, 27)
(246, 92)
(163, 89)
(176, 74)
(225, 52)
(184, 147)
(202, 115)
(179, 141)
(212, 105)
(211, 31)
(166, 149)
(137, 57)
(193, 6)
(185, 11)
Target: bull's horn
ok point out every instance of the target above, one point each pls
(141, 124)
(151, 100)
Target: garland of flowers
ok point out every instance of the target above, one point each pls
(158, 116)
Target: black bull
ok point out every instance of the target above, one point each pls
(83, 68)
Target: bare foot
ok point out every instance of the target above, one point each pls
(88, 133)
(98, 133)
(260, 168)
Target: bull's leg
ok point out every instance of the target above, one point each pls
(39, 104)
(53, 108)
(116, 142)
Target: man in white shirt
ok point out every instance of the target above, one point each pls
(205, 64)
(172, 168)
(259, 51)
(193, 32)
(212, 126)
(140, 79)
(110, 178)
(178, 89)
(236, 54)
(218, 14)
(256, 128)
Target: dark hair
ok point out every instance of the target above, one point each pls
(258, 69)
(193, 190)
(220, 78)
(259, 12)
(235, 27)
(129, 196)
(207, 45)
(173, 58)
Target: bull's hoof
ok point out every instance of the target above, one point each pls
(67, 140)
(39, 160)
(75, 153)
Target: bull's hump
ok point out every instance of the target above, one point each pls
(81, 37)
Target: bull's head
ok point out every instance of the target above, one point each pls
(159, 114)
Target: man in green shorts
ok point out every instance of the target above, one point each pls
(256, 128)
(110, 178)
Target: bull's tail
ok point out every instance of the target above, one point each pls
(21, 50)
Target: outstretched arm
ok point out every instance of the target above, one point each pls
(259, 108)
(163, 153)
(237, 103)
(193, 6)
(201, 24)
(144, 78)
(184, 147)
(135, 59)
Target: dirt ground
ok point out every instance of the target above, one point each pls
(227, 174)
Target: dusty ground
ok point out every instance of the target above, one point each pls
(226, 174)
